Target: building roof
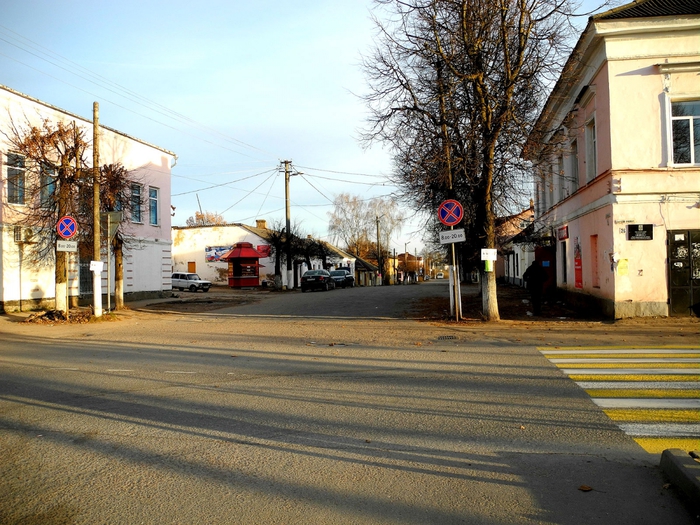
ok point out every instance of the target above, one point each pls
(651, 8)
(638, 9)
(87, 121)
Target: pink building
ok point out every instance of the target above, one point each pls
(617, 163)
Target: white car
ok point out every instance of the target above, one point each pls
(440, 275)
(189, 281)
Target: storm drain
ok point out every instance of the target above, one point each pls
(446, 337)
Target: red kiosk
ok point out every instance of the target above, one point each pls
(243, 266)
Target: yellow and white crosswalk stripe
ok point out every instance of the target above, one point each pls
(652, 394)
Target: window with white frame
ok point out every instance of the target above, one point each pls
(136, 203)
(153, 206)
(561, 178)
(685, 126)
(591, 151)
(16, 178)
(573, 167)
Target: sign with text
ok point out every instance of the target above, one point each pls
(640, 232)
(451, 236)
(66, 246)
(489, 254)
(97, 266)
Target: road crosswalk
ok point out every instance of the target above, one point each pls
(652, 394)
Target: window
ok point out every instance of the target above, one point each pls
(561, 179)
(564, 264)
(15, 178)
(595, 276)
(591, 151)
(685, 122)
(135, 203)
(153, 206)
(573, 168)
(48, 186)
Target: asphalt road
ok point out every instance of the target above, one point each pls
(325, 407)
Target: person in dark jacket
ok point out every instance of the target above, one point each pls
(535, 276)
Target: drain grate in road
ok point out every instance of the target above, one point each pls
(446, 337)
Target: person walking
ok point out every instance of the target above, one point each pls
(535, 276)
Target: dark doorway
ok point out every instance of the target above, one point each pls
(684, 272)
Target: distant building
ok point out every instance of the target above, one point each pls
(199, 248)
(617, 151)
(147, 254)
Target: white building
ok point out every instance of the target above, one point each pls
(147, 262)
(198, 248)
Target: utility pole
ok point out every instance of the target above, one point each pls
(97, 273)
(379, 254)
(290, 271)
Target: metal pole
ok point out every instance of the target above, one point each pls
(109, 264)
(379, 254)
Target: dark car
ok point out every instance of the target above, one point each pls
(343, 278)
(317, 280)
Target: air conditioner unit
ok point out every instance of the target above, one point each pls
(24, 235)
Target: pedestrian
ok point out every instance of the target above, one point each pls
(535, 276)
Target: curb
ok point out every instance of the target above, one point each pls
(684, 472)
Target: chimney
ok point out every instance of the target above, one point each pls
(261, 223)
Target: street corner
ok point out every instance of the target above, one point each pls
(683, 471)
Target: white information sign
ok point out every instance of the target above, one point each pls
(452, 236)
(97, 266)
(66, 246)
(489, 254)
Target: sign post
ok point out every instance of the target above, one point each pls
(450, 213)
(66, 227)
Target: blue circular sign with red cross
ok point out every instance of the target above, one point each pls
(450, 212)
(67, 227)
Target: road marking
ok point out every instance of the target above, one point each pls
(629, 371)
(178, 372)
(639, 384)
(118, 370)
(626, 360)
(652, 394)
(635, 402)
(64, 368)
(660, 429)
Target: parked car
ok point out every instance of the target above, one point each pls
(189, 281)
(343, 278)
(317, 280)
(440, 275)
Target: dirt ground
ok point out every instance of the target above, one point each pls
(558, 325)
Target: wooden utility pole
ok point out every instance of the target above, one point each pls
(96, 275)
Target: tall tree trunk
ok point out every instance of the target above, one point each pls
(489, 295)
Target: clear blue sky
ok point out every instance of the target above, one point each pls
(232, 87)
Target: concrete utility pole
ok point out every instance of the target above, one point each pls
(379, 254)
(290, 271)
(96, 275)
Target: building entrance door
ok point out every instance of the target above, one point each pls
(684, 272)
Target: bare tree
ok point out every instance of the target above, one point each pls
(57, 181)
(206, 218)
(354, 223)
(455, 86)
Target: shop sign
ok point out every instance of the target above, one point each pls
(563, 233)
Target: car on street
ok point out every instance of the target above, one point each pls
(317, 280)
(440, 275)
(343, 278)
(189, 281)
